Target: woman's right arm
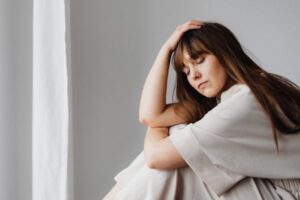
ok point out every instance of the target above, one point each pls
(153, 99)
(166, 118)
(153, 110)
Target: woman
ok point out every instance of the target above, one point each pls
(234, 129)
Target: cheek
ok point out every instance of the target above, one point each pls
(190, 81)
(218, 75)
(222, 77)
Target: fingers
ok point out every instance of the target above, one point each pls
(194, 22)
(191, 24)
(176, 35)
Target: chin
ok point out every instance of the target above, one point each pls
(209, 93)
(210, 96)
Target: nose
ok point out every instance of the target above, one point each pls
(195, 73)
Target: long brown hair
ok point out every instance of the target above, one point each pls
(278, 96)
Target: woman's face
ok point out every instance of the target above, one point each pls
(205, 74)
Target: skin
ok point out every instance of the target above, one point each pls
(205, 69)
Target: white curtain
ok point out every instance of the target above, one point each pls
(50, 111)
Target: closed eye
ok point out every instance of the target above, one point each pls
(200, 60)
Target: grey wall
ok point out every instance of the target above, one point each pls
(22, 51)
(107, 46)
(113, 46)
(15, 101)
(7, 113)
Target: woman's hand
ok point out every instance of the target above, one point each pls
(173, 40)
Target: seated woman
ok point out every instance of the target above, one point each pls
(233, 132)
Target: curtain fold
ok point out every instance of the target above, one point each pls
(50, 111)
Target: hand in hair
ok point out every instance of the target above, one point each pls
(172, 41)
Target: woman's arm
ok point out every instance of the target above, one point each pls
(167, 118)
(153, 99)
(153, 107)
(159, 151)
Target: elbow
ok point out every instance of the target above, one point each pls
(147, 121)
(151, 166)
(154, 163)
(150, 160)
(142, 120)
(150, 163)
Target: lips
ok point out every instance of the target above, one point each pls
(201, 85)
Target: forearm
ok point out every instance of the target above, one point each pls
(153, 98)
(152, 139)
(160, 152)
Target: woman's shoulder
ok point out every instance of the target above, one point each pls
(237, 111)
(238, 96)
(238, 102)
(235, 91)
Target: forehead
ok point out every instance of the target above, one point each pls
(187, 58)
(188, 51)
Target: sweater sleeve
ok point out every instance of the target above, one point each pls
(216, 177)
(233, 141)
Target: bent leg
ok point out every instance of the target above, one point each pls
(112, 193)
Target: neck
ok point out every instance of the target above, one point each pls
(227, 85)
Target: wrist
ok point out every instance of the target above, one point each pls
(166, 49)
